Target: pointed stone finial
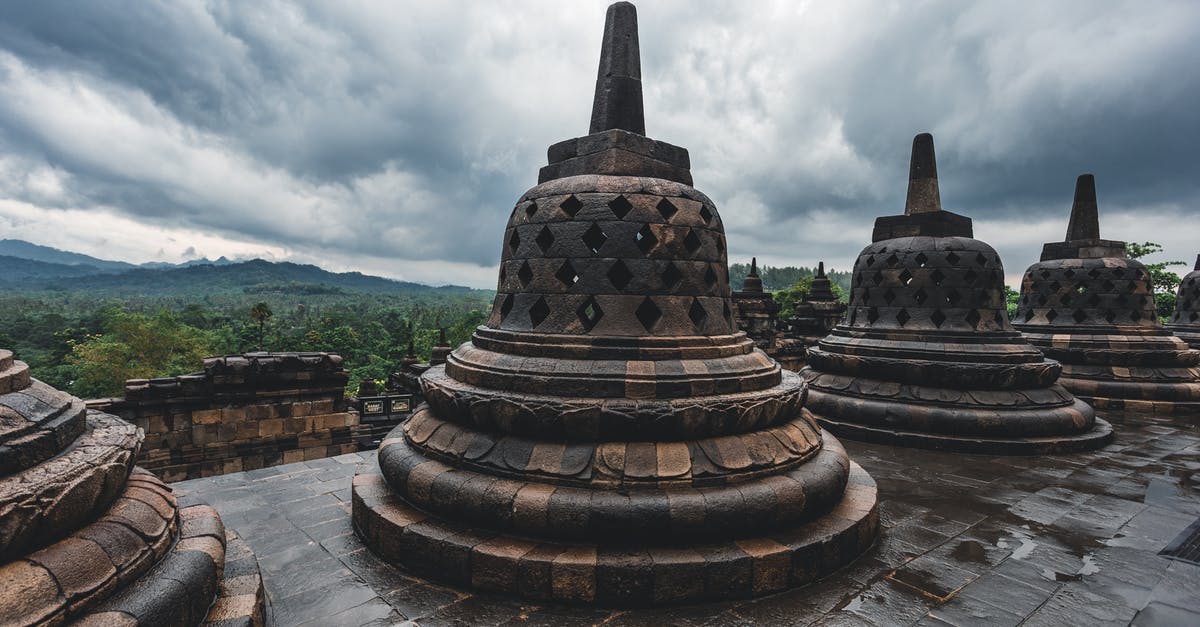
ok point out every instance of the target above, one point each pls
(442, 337)
(1085, 218)
(923, 194)
(1197, 268)
(412, 349)
(752, 283)
(820, 269)
(618, 101)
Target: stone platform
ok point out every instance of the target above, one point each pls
(965, 540)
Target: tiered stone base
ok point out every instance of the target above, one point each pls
(588, 573)
(1100, 435)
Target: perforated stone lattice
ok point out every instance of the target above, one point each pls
(582, 262)
(959, 289)
(1106, 291)
(1187, 305)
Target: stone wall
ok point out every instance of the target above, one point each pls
(243, 412)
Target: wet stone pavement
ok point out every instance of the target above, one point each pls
(966, 540)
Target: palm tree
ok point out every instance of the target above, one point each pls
(261, 312)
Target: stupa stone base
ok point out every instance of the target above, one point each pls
(589, 573)
(1100, 435)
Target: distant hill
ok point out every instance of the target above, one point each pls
(34, 252)
(30, 267)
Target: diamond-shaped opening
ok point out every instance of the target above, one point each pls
(1135, 315)
(877, 277)
(721, 244)
(1066, 300)
(666, 209)
(1094, 299)
(937, 277)
(1107, 286)
(980, 259)
(648, 314)
(889, 296)
(1193, 317)
(1028, 315)
(525, 274)
(1041, 300)
(1055, 286)
(705, 214)
(594, 238)
(952, 297)
(1051, 315)
(506, 306)
(544, 239)
(710, 277)
(503, 273)
(619, 275)
(921, 259)
(691, 241)
(531, 209)
(906, 277)
(697, 313)
(566, 274)
(514, 241)
(620, 207)
(589, 313)
(973, 317)
(539, 311)
(1079, 315)
(726, 312)
(1110, 316)
(870, 260)
(1094, 273)
(937, 317)
(920, 295)
(646, 241)
(1118, 272)
(570, 206)
(872, 314)
(952, 258)
(970, 277)
(1121, 299)
(1069, 273)
(671, 276)
(892, 260)
(902, 317)
(999, 318)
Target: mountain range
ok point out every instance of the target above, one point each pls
(25, 266)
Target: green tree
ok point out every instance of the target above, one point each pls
(1166, 282)
(1011, 297)
(135, 346)
(261, 312)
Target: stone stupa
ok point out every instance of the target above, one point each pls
(608, 437)
(1091, 307)
(88, 538)
(1185, 320)
(927, 357)
(755, 310)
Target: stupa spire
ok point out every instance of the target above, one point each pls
(618, 100)
(1085, 219)
(923, 194)
(752, 283)
(820, 269)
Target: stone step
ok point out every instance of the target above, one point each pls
(14, 375)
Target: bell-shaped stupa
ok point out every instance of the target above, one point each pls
(607, 436)
(755, 310)
(926, 356)
(1185, 320)
(86, 537)
(1091, 307)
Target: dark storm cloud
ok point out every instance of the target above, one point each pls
(394, 137)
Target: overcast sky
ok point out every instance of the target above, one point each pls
(394, 137)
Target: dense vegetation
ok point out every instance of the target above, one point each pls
(87, 333)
